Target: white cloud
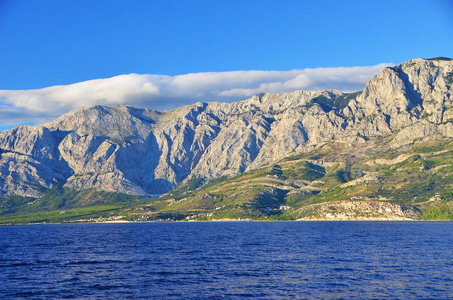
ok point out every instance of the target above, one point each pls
(162, 92)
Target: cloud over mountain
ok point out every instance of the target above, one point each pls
(162, 92)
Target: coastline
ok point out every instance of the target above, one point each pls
(236, 220)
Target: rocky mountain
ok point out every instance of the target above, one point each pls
(145, 152)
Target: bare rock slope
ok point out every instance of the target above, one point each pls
(144, 152)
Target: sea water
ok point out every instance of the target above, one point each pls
(228, 260)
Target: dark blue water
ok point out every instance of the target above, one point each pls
(267, 260)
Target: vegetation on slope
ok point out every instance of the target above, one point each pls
(418, 178)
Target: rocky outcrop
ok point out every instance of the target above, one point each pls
(415, 92)
(141, 151)
(358, 210)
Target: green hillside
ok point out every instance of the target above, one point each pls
(417, 178)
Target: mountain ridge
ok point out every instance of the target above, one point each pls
(244, 134)
(143, 152)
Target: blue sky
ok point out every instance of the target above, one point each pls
(46, 43)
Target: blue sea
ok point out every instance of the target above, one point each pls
(228, 260)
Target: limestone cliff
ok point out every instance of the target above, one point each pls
(141, 151)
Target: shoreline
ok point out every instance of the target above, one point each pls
(232, 221)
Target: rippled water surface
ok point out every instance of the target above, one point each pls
(228, 260)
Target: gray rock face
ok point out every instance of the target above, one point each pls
(417, 91)
(140, 151)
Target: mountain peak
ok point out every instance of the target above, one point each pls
(116, 122)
